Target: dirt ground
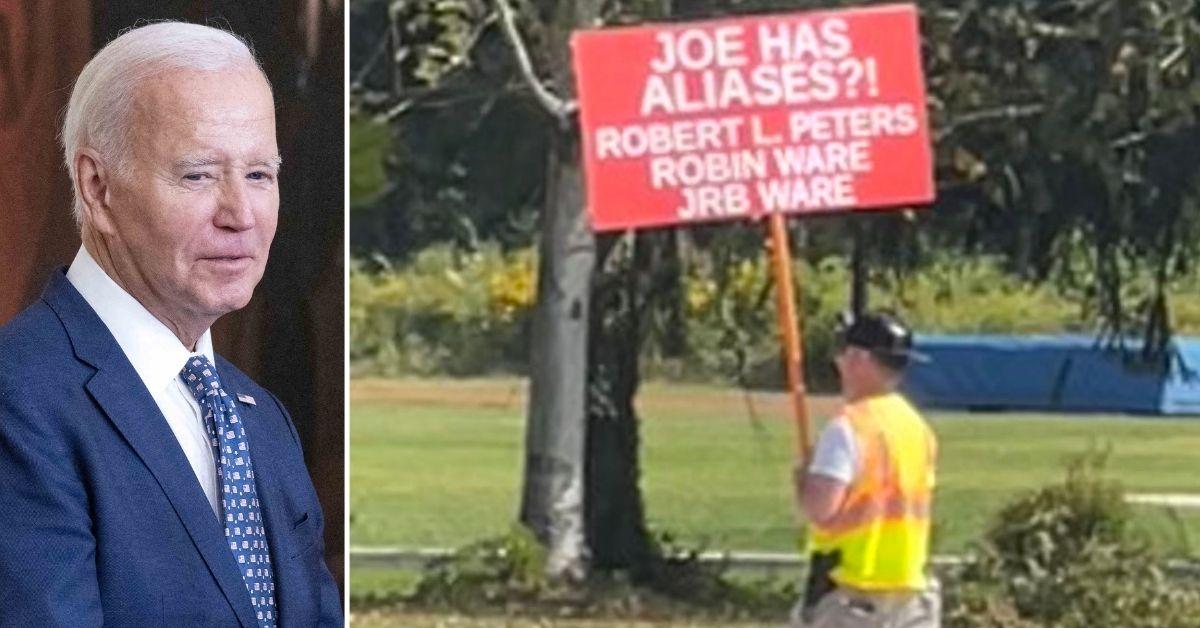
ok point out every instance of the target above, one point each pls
(386, 619)
(512, 394)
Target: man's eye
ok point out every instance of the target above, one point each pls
(259, 175)
(195, 176)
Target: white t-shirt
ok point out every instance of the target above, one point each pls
(836, 453)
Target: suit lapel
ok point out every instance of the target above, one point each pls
(133, 412)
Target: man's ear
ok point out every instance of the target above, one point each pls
(93, 181)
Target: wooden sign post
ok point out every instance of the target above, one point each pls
(790, 332)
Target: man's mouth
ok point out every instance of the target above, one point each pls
(228, 261)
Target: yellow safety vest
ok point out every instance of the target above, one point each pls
(882, 528)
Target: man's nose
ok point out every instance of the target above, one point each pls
(235, 210)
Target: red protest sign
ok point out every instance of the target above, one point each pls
(730, 119)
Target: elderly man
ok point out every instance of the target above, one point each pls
(145, 481)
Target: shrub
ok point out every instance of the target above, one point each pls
(449, 312)
(975, 295)
(493, 572)
(506, 574)
(1067, 555)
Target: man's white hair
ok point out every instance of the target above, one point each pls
(102, 100)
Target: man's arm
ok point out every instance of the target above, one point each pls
(821, 498)
(821, 487)
(47, 555)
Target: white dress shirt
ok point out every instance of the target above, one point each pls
(157, 356)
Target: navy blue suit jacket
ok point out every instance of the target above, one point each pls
(102, 520)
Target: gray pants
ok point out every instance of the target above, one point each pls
(845, 608)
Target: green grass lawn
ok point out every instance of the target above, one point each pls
(438, 464)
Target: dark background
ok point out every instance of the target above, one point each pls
(290, 337)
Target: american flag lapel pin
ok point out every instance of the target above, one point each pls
(246, 399)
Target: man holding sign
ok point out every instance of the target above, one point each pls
(771, 116)
(868, 493)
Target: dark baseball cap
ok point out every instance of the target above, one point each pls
(881, 333)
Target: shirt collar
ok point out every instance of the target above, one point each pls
(154, 351)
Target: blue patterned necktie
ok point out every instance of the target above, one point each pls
(239, 498)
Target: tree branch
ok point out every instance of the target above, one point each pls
(1005, 112)
(1172, 58)
(434, 98)
(1052, 31)
(366, 68)
(474, 39)
(415, 96)
(1131, 139)
(557, 107)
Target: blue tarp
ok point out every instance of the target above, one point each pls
(1066, 372)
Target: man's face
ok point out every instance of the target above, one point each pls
(194, 210)
(854, 365)
(844, 360)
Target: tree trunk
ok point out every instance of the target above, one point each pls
(578, 368)
(616, 522)
(552, 497)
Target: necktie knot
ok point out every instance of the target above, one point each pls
(200, 377)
